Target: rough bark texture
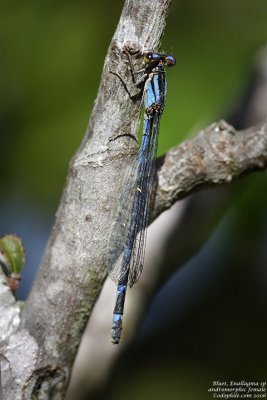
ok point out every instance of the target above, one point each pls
(217, 155)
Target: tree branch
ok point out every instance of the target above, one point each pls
(217, 155)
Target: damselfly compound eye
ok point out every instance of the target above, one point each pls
(170, 61)
(149, 57)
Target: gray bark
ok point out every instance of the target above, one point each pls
(217, 155)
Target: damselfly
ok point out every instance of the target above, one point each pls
(127, 240)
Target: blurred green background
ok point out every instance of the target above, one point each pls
(51, 58)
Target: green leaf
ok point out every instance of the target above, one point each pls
(12, 251)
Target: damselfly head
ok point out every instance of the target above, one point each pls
(154, 58)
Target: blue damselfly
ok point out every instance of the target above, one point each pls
(127, 240)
